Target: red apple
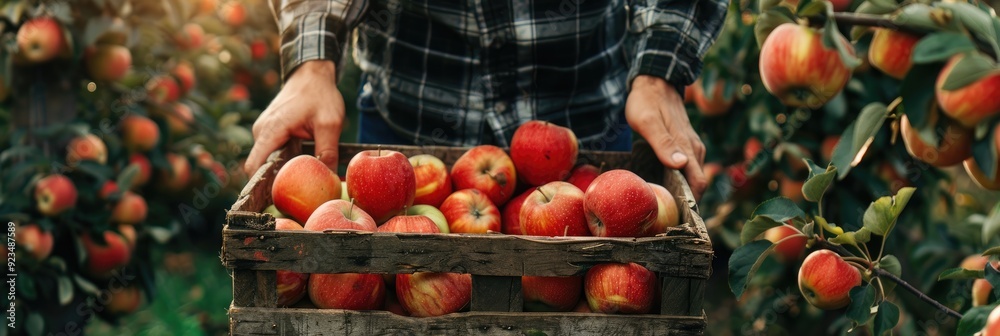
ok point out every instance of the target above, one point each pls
(179, 175)
(891, 51)
(714, 103)
(140, 134)
(667, 214)
(103, 259)
(191, 36)
(954, 147)
(825, 280)
(35, 241)
(409, 223)
(54, 194)
(543, 152)
(972, 103)
(619, 204)
(109, 188)
(430, 212)
(790, 250)
(797, 68)
(977, 175)
(237, 92)
(433, 294)
(554, 209)
(488, 169)
(433, 182)
(162, 90)
(340, 215)
(233, 13)
(86, 147)
(145, 170)
(381, 182)
(108, 62)
(583, 175)
(974, 262)
(291, 285)
(131, 209)
(551, 294)
(751, 148)
(124, 301)
(351, 291)
(827, 147)
(981, 290)
(128, 233)
(258, 49)
(992, 323)
(510, 218)
(184, 73)
(40, 39)
(470, 211)
(179, 119)
(620, 288)
(302, 185)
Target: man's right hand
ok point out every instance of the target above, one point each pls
(309, 106)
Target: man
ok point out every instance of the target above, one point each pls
(465, 72)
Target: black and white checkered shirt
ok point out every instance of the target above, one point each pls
(464, 72)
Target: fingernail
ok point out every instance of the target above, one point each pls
(678, 157)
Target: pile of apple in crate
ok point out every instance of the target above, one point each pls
(450, 230)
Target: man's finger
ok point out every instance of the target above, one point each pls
(327, 142)
(696, 178)
(266, 142)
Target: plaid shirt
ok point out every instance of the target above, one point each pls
(465, 72)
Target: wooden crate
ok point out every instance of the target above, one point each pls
(253, 251)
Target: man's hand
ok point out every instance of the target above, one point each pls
(656, 111)
(309, 106)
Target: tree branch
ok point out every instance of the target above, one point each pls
(918, 293)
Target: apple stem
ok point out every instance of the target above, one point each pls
(543, 194)
(378, 149)
(350, 212)
(601, 168)
(883, 273)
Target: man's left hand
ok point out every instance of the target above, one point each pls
(656, 111)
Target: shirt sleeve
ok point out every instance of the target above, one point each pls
(314, 29)
(672, 36)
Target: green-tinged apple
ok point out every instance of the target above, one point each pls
(891, 51)
(103, 259)
(433, 294)
(140, 134)
(145, 170)
(954, 147)
(431, 212)
(353, 291)
(108, 62)
(554, 209)
(973, 103)
(470, 211)
(340, 215)
(619, 204)
(798, 69)
(40, 39)
(35, 241)
(981, 290)
(977, 175)
(714, 103)
(510, 217)
(86, 147)
(488, 169)
(55, 194)
(992, 323)
(273, 210)
(291, 285)
(583, 175)
(124, 301)
(551, 294)
(131, 209)
(791, 249)
(543, 152)
(433, 182)
(129, 235)
(191, 36)
(302, 185)
(409, 223)
(616, 288)
(179, 175)
(381, 182)
(825, 280)
(667, 214)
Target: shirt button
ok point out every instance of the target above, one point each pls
(500, 107)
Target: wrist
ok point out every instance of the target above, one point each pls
(642, 82)
(316, 68)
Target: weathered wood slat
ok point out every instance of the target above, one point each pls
(497, 294)
(291, 321)
(497, 255)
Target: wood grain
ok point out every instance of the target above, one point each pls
(291, 321)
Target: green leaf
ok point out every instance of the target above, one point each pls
(992, 251)
(918, 94)
(125, 178)
(26, 287)
(744, 263)
(862, 299)
(984, 152)
(968, 70)
(65, 288)
(977, 21)
(86, 286)
(991, 227)
(992, 275)
(861, 236)
(973, 320)
(770, 19)
(881, 214)
(755, 227)
(818, 182)
(884, 6)
(832, 38)
(959, 273)
(886, 319)
(779, 209)
(890, 264)
(36, 324)
(857, 137)
(918, 16)
(941, 46)
(813, 8)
